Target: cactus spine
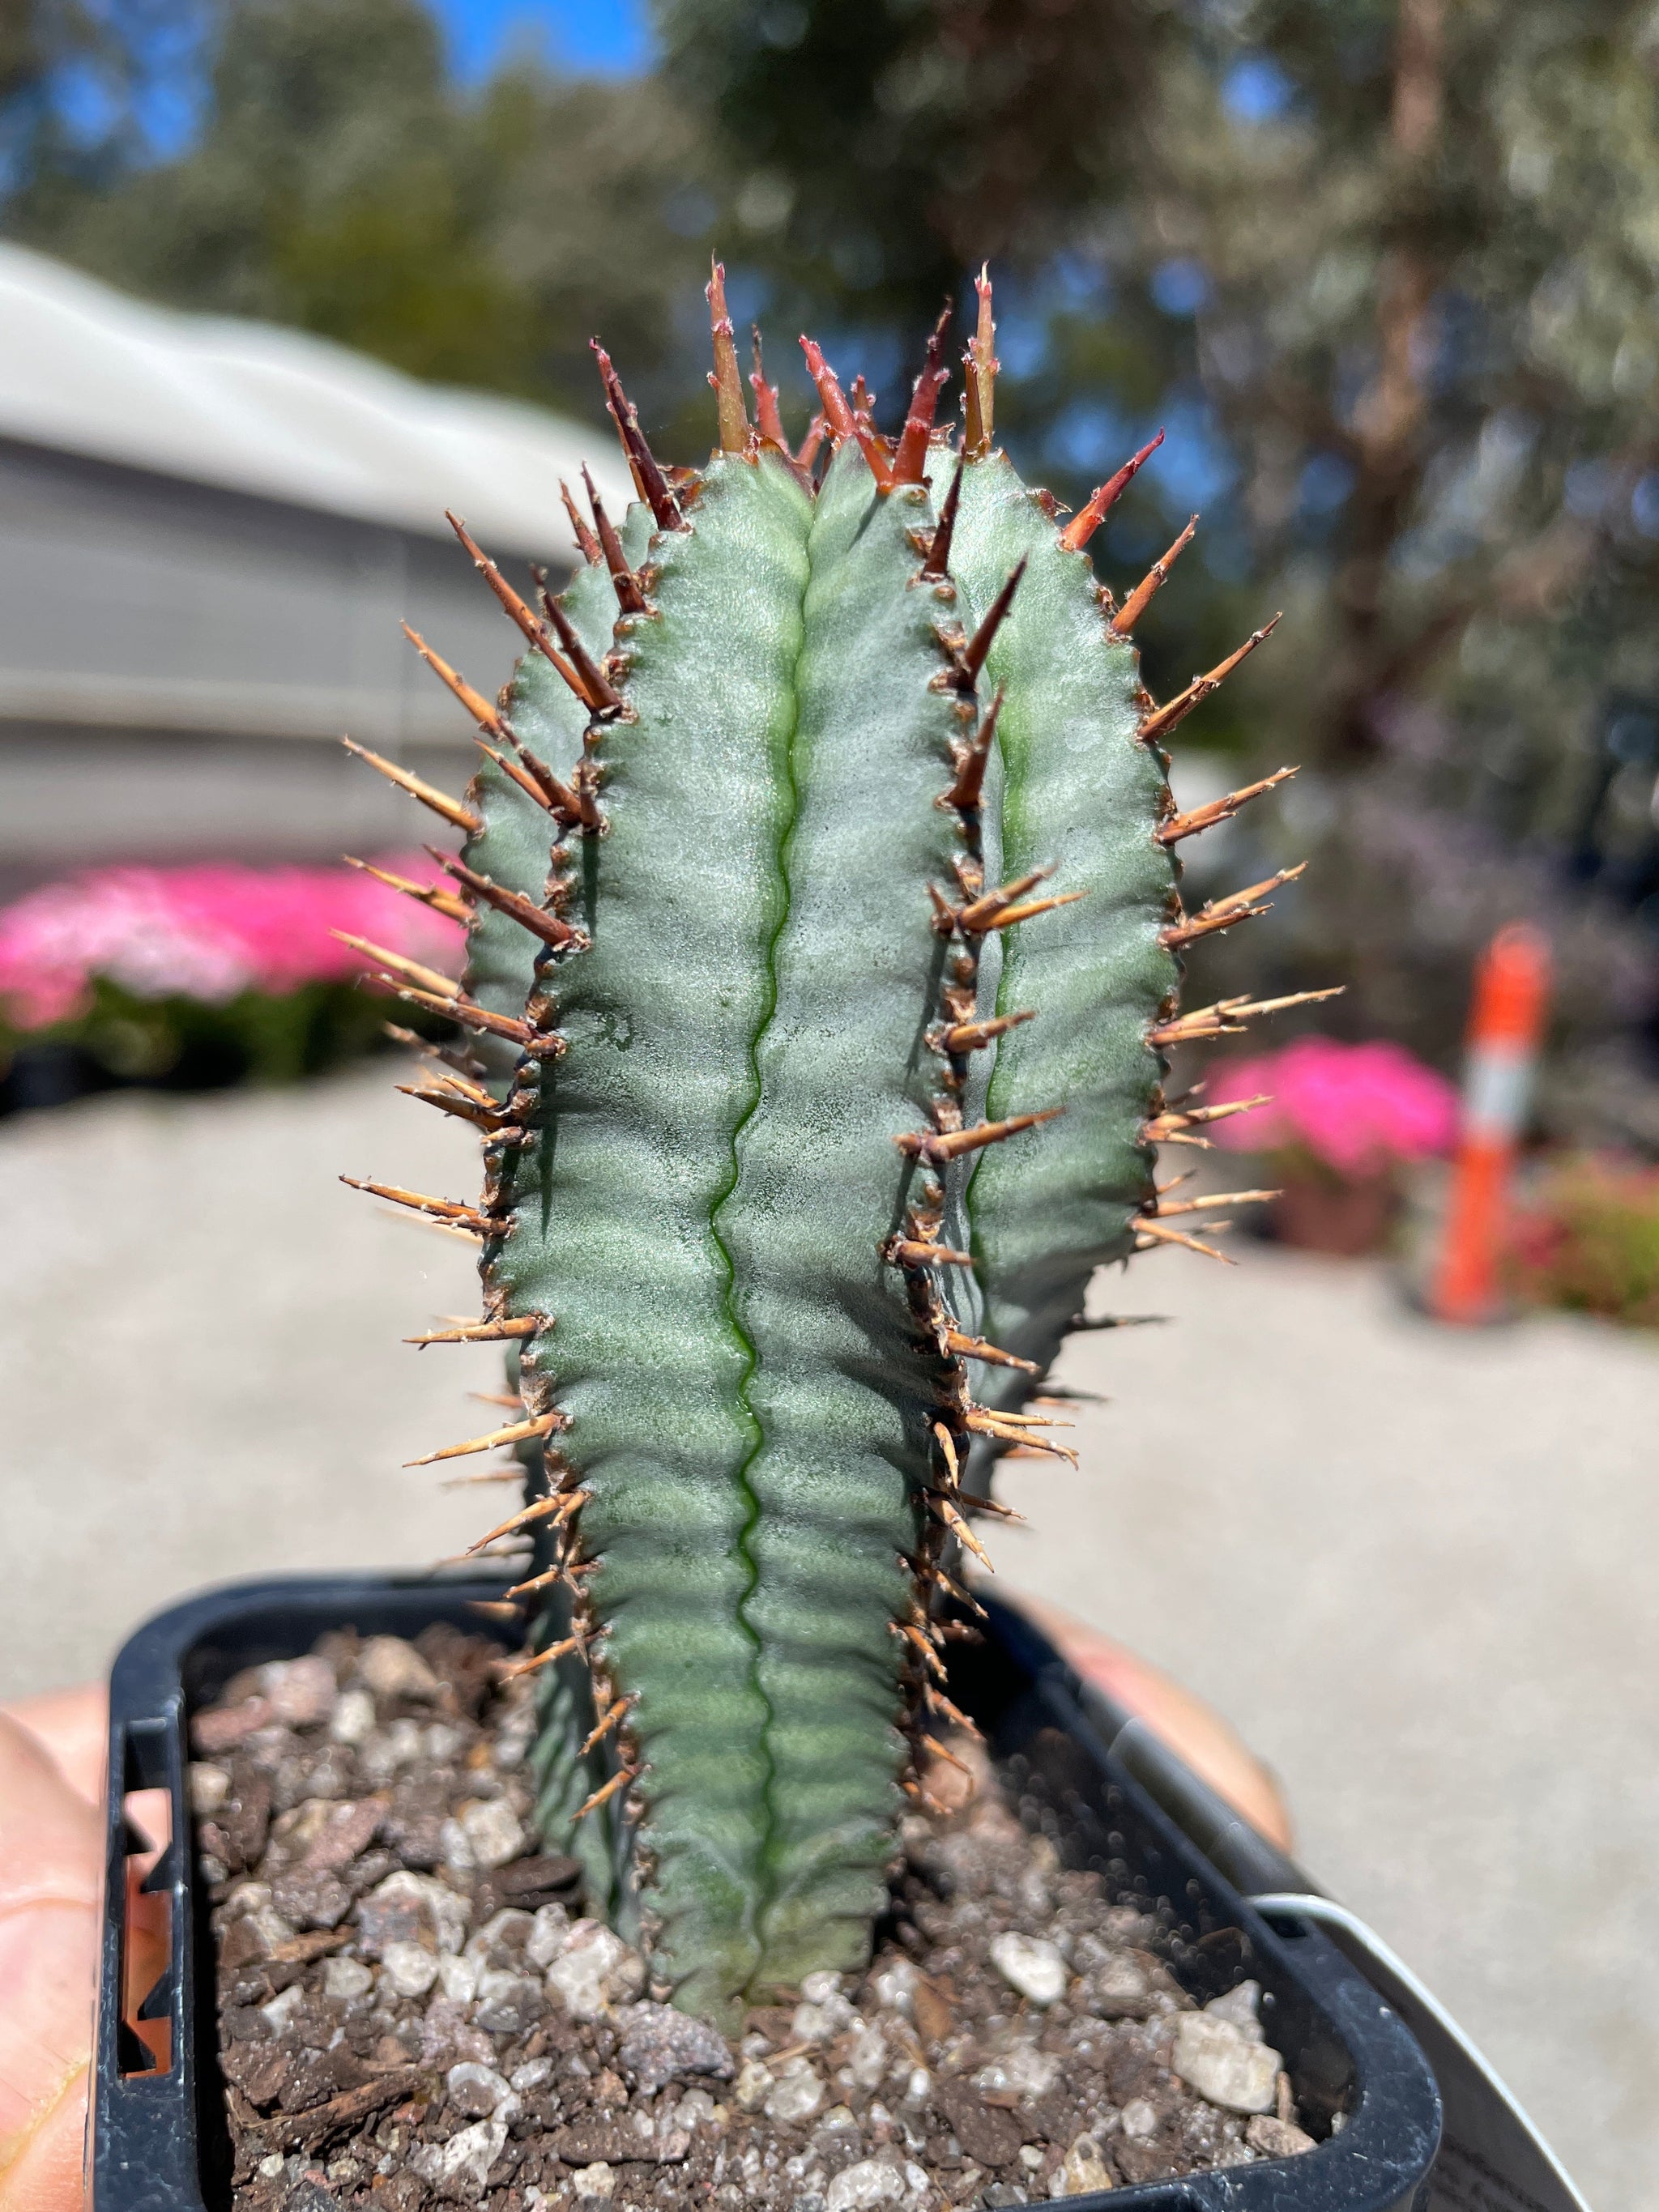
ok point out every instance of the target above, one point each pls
(825, 937)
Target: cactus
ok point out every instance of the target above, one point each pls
(825, 943)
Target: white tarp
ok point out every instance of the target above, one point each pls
(277, 413)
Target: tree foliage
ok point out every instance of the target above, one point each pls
(340, 182)
(1388, 269)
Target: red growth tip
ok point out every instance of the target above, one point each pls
(725, 380)
(980, 389)
(1083, 525)
(652, 484)
(911, 459)
(766, 400)
(831, 398)
(871, 443)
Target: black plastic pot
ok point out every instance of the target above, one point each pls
(158, 2140)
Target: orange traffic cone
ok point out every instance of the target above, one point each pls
(1506, 1027)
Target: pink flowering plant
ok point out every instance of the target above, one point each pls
(1345, 1113)
(241, 969)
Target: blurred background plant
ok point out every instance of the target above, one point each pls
(200, 975)
(1340, 1127)
(1586, 1237)
(1385, 269)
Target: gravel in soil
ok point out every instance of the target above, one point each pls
(414, 2010)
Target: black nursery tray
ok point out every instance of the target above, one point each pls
(157, 2138)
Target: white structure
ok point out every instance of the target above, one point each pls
(209, 531)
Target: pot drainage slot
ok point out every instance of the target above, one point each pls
(144, 2037)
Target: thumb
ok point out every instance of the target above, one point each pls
(50, 1853)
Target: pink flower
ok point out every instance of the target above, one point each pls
(1358, 1108)
(207, 932)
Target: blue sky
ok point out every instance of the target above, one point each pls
(610, 35)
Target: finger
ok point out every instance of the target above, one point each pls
(50, 1838)
(1193, 1731)
(74, 1727)
(49, 1848)
(41, 2170)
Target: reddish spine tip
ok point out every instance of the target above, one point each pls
(911, 463)
(725, 380)
(831, 398)
(766, 400)
(1083, 525)
(648, 478)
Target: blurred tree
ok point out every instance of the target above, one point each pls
(339, 181)
(1389, 268)
(882, 146)
(76, 79)
(1422, 246)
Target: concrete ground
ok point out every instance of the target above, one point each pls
(1417, 1569)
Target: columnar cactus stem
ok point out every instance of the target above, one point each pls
(823, 946)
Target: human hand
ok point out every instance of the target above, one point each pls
(1193, 1730)
(52, 1757)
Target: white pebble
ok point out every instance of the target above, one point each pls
(1031, 1965)
(283, 2007)
(596, 2181)
(796, 2094)
(871, 2181)
(514, 1736)
(531, 2073)
(1213, 2057)
(1082, 2172)
(393, 1668)
(1276, 2138)
(821, 2023)
(1030, 2157)
(1139, 2119)
(471, 2152)
(354, 1717)
(918, 2087)
(1239, 2006)
(410, 1968)
(594, 1971)
(459, 1978)
(867, 2059)
(492, 1829)
(895, 1986)
(209, 1786)
(477, 2091)
(272, 2167)
(1026, 2070)
(346, 1977)
(269, 1925)
(753, 2082)
(548, 1931)
(301, 1691)
(509, 1928)
(455, 1846)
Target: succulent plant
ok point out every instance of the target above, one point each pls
(824, 949)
